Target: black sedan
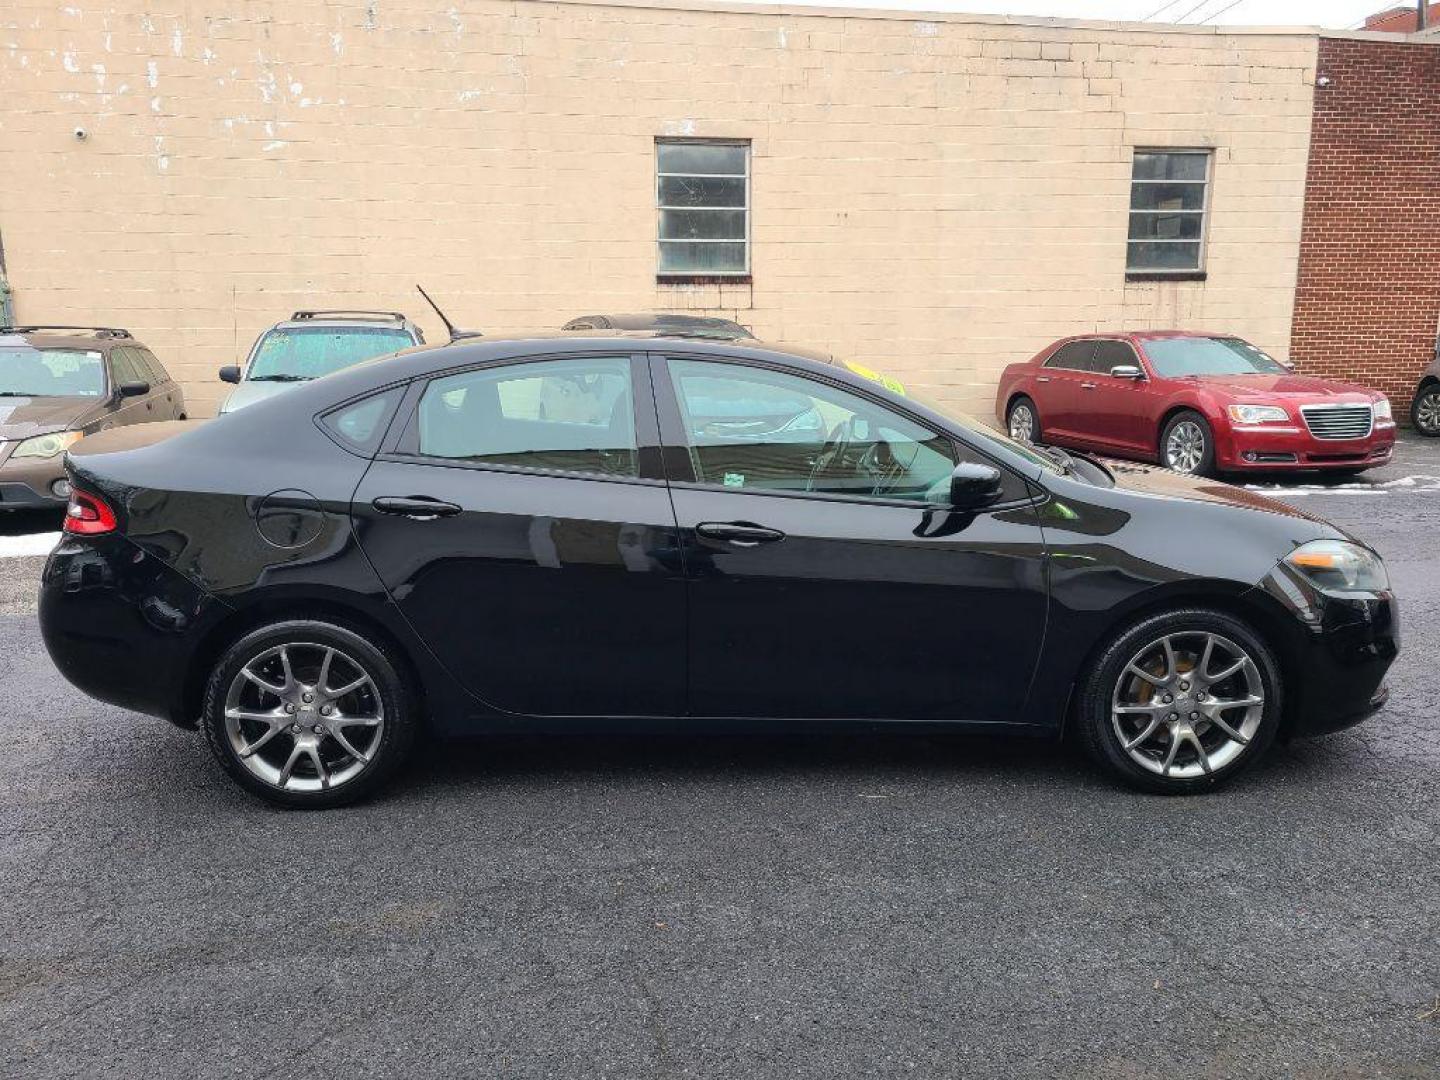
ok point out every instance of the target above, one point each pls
(559, 532)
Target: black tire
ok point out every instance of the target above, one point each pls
(1206, 465)
(1037, 432)
(1425, 411)
(387, 695)
(1096, 725)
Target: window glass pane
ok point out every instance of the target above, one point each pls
(1174, 255)
(757, 430)
(1170, 166)
(691, 157)
(1074, 355)
(1167, 197)
(122, 362)
(1145, 226)
(575, 415)
(681, 257)
(702, 191)
(702, 224)
(312, 351)
(1111, 353)
(27, 372)
(360, 426)
(1174, 358)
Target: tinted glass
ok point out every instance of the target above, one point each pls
(705, 159)
(361, 426)
(1111, 353)
(575, 415)
(758, 430)
(1073, 355)
(308, 352)
(126, 367)
(1174, 358)
(27, 372)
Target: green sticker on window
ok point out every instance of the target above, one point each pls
(895, 386)
(734, 479)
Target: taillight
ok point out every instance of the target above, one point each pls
(88, 515)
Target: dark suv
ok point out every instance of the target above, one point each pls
(310, 344)
(60, 383)
(1425, 407)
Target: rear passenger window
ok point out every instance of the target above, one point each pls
(572, 415)
(361, 426)
(1073, 355)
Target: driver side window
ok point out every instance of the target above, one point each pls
(760, 430)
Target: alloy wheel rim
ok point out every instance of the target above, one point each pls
(1427, 413)
(1022, 424)
(1185, 448)
(304, 717)
(1188, 704)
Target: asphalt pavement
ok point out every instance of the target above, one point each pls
(831, 906)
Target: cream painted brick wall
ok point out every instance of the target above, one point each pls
(936, 195)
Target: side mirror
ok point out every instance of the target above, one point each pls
(133, 389)
(1127, 371)
(230, 373)
(1288, 365)
(974, 486)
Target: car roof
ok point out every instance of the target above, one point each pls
(87, 338)
(665, 321)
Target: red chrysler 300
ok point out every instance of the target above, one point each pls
(1199, 403)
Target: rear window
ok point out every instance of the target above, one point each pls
(27, 372)
(308, 352)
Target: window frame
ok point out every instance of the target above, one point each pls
(704, 277)
(1201, 243)
(676, 444)
(402, 442)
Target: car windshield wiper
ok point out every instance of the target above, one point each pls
(279, 378)
(19, 393)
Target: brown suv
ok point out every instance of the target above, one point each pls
(60, 383)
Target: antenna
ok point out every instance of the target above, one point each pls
(455, 335)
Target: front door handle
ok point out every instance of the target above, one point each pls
(1087, 386)
(739, 533)
(419, 507)
(1042, 378)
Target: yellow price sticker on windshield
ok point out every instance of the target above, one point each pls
(895, 386)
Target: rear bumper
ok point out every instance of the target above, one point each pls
(1337, 655)
(121, 625)
(1269, 449)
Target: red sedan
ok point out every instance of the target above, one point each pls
(1200, 403)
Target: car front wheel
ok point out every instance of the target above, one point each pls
(1181, 702)
(1425, 411)
(1187, 445)
(308, 714)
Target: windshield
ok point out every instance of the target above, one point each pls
(308, 352)
(27, 372)
(1174, 358)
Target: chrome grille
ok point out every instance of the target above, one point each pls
(1338, 421)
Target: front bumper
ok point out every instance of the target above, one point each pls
(1337, 652)
(28, 483)
(1271, 448)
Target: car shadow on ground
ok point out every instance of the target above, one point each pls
(29, 522)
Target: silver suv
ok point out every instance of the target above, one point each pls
(314, 343)
(1425, 407)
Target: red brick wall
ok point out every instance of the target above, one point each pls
(1367, 301)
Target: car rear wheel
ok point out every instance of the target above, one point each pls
(1187, 445)
(1181, 702)
(1023, 421)
(1425, 411)
(308, 714)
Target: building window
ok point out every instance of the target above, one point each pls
(703, 192)
(1169, 193)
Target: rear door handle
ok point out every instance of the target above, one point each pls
(1087, 386)
(739, 533)
(419, 507)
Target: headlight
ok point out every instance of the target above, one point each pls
(47, 446)
(1257, 414)
(1340, 566)
(1383, 410)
